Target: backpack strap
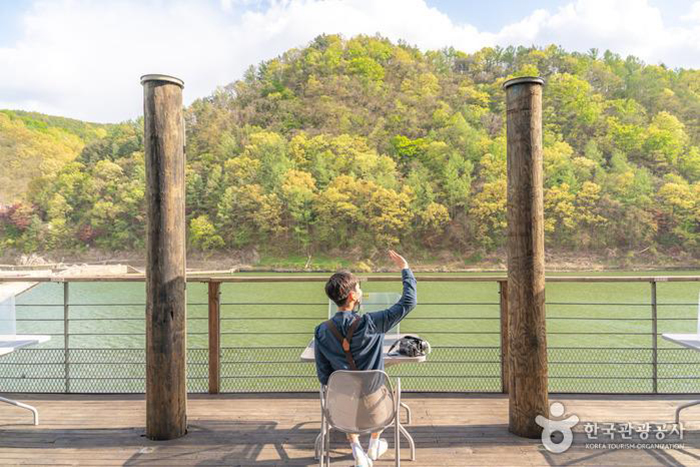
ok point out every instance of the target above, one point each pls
(398, 342)
(345, 341)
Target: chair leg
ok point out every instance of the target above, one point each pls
(397, 424)
(408, 413)
(328, 445)
(410, 442)
(397, 443)
(320, 451)
(320, 441)
(317, 445)
(684, 406)
(23, 406)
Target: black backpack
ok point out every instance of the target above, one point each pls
(410, 346)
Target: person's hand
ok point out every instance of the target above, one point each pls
(398, 260)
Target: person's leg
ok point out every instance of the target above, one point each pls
(357, 452)
(377, 446)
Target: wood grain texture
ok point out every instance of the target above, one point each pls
(166, 389)
(505, 359)
(214, 293)
(279, 429)
(526, 292)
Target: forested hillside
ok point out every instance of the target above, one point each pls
(357, 144)
(33, 146)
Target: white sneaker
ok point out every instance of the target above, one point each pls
(375, 451)
(361, 458)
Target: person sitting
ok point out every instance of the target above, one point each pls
(366, 336)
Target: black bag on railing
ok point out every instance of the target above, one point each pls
(410, 346)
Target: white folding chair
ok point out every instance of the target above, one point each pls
(360, 402)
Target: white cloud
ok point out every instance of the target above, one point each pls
(226, 5)
(83, 58)
(693, 14)
(628, 27)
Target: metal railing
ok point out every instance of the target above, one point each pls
(233, 346)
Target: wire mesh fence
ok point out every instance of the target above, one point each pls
(449, 369)
(601, 345)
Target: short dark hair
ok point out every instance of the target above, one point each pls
(340, 285)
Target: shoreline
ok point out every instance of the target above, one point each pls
(246, 262)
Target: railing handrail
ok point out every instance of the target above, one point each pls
(215, 318)
(372, 278)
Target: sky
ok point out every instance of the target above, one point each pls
(83, 58)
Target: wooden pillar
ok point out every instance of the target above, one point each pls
(505, 360)
(214, 337)
(654, 340)
(166, 326)
(527, 337)
(66, 336)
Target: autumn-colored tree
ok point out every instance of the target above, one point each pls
(359, 143)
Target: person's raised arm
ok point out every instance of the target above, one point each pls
(387, 319)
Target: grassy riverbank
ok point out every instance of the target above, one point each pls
(426, 261)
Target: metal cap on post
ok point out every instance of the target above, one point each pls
(164, 78)
(523, 80)
(166, 320)
(527, 337)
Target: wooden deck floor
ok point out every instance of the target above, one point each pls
(280, 429)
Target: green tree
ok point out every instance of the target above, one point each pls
(298, 193)
(203, 234)
(248, 216)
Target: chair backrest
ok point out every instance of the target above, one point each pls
(359, 401)
(373, 301)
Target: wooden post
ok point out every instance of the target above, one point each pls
(166, 325)
(527, 336)
(66, 337)
(654, 341)
(214, 337)
(505, 361)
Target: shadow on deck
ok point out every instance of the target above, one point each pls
(274, 429)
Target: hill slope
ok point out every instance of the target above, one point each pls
(34, 145)
(353, 145)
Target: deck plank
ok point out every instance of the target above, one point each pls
(279, 429)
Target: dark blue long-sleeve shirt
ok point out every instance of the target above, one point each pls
(368, 338)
